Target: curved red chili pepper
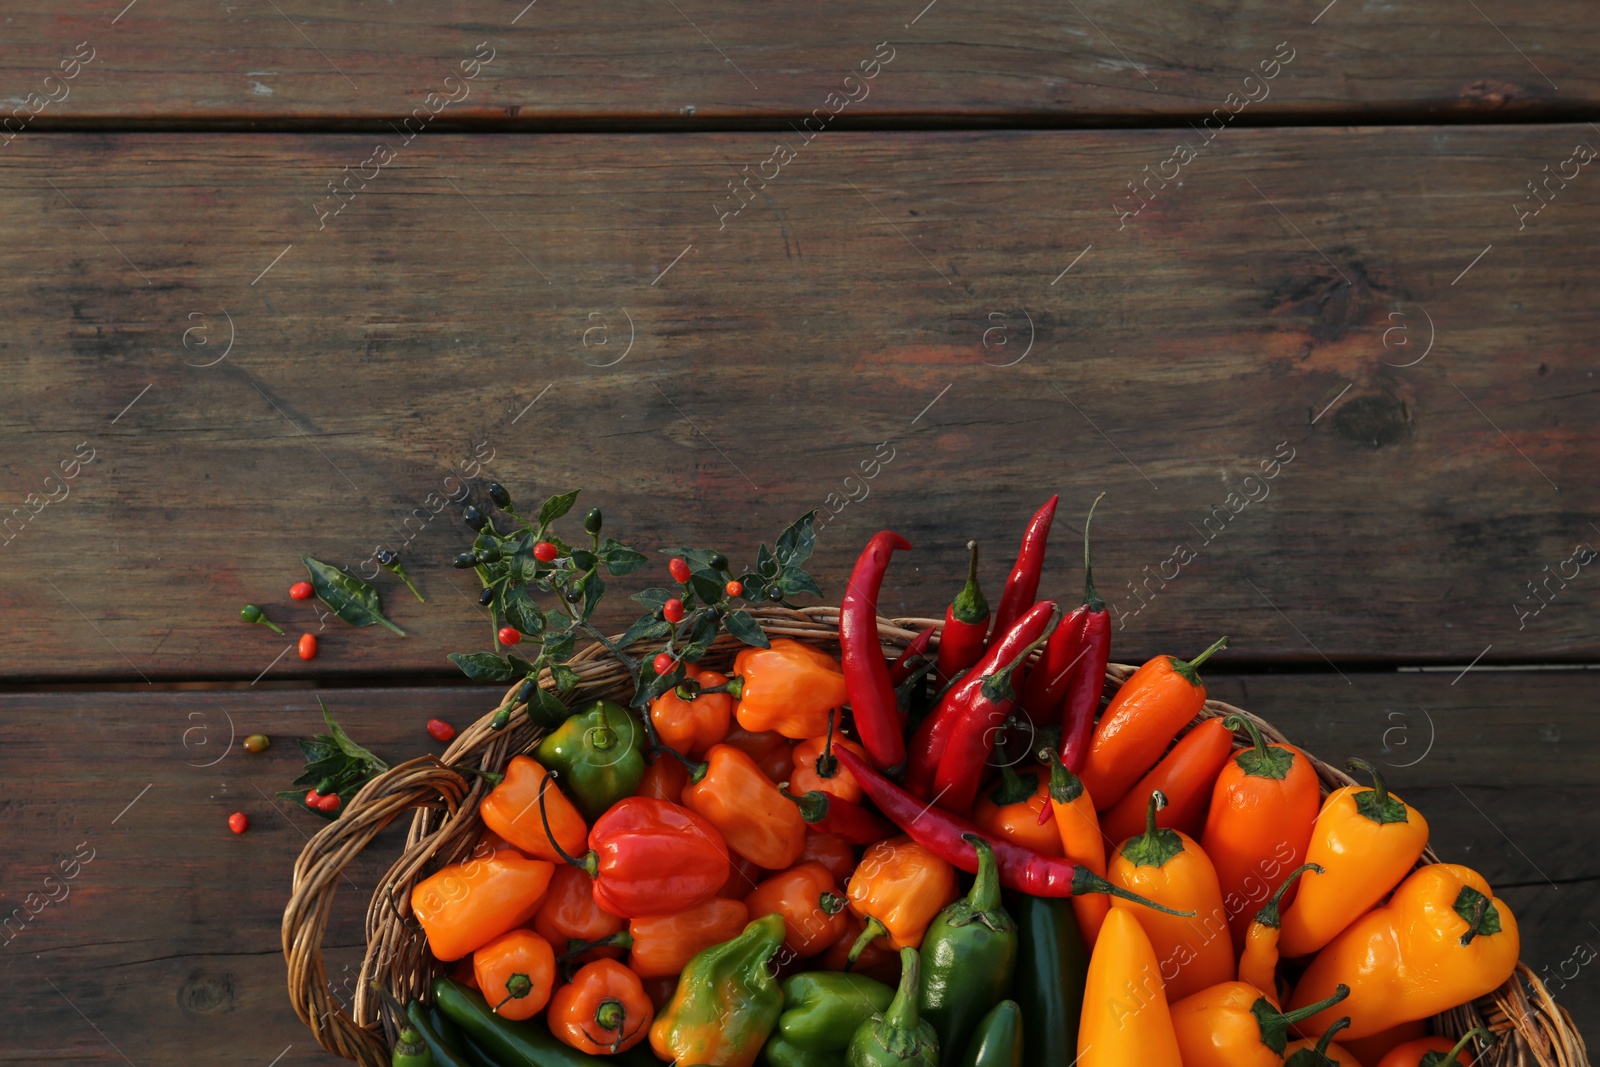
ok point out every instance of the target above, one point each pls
(966, 624)
(866, 675)
(1088, 679)
(1023, 583)
(833, 815)
(1048, 680)
(912, 657)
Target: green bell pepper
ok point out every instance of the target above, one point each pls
(969, 955)
(822, 1009)
(1052, 967)
(998, 1040)
(778, 1052)
(599, 753)
(898, 1036)
(727, 1002)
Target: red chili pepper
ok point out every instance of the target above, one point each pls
(545, 552)
(966, 624)
(971, 740)
(734, 588)
(308, 646)
(679, 569)
(829, 814)
(1088, 679)
(238, 822)
(328, 802)
(872, 696)
(672, 610)
(440, 730)
(664, 663)
(912, 657)
(1047, 681)
(1023, 583)
(301, 591)
(942, 834)
(509, 635)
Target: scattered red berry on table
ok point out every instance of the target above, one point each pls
(733, 588)
(509, 635)
(238, 822)
(257, 743)
(308, 646)
(545, 552)
(672, 610)
(441, 730)
(301, 590)
(664, 663)
(679, 569)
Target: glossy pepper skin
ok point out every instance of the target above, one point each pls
(512, 810)
(771, 750)
(822, 1010)
(1141, 720)
(1366, 840)
(1258, 961)
(1011, 810)
(897, 891)
(833, 852)
(873, 702)
(727, 1001)
(811, 904)
(969, 956)
(444, 1052)
(692, 726)
(875, 961)
(660, 946)
(831, 815)
(966, 624)
(569, 913)
(997, 1042)
(1088, 680)
(1186, 776)
(514, 1044)
(664, 779)
(1047, 680)
(602, 1011)
(599, 753)
(1435, 1051)
(1052, 969)
(1262, 809)
(1022, 584)
(1233, 1024)
(914, 656)
(816, 768)
(1166, 866)
(897, 1036)
(1077, 827)
(464, 906)
(1125, 1019)
(755, 819)
(649, 857)
(1443, 939)
(518, 969)
(789, 688)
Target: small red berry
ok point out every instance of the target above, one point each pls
(308, 646)
(329, 803)
(679, 569)
(301, 590)
(238, 822)
(441, 730)
(672, 610)
(545, 552)
(509, 635)
(664, 663)
(312, 797)
(733, 588)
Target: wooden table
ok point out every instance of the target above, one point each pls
(290, 278)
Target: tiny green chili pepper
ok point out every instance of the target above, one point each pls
(591, 521)
(899, 1036)
(251, 613)
(822, 1009)
(969, 955)
(599, 753)
(389, 560)
(410, 1050)
(465, 561)
(998, 1039)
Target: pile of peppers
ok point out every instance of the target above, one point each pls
(955, 857)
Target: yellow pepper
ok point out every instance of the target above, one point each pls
(1125, 1019)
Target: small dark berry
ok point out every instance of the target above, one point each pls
(486, 597)
(475, 518)
(387, 557)
(718, 562)
(466, 560)
(498, 494)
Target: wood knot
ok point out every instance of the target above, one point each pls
(1376, 421)
(206, 994)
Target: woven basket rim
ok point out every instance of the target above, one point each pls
(445, 826)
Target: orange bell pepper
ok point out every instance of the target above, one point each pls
(1234, 1024)
(1435, 1051)
(570, 914)
(1258, 961)
(1078, 828)
(664, 780)
(789, 688)
(1125, 1020)
(516, 972)
(1167, 867)
(1442, 940)
(1011, 810)
(833, 852)
(1262, 811)
(813, 757)
(1366, 840)
(811, 905)
(1139, 723)
(604, 1010)
(756, 820)
(660, 945)
(897, 890)
(692, 726)
(1322, 1052)
(1185, 776)
(464, 906)
(773, 752)
(512, 810)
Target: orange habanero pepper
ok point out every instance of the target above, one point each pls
(1435, 1051)
(773, 752)
(1366, 840)
(1234, 1024)
(694, 725)
(1011, 810)
(811, 905)
(898, 889)
(1078, 828)
(815, 767)
(664, 779)
(660, 945)
(1185, 776)
(464, 906)
(1167, 867)
(756, 820)
(602, 1011)
(1258, 961)
(569, 914)
(1125, 1018)
(516, 973)
(789, 688)
(512, 810)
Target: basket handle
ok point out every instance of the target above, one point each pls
(420, 783)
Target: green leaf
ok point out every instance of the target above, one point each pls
(346, 745)
(593, 587)
(743, 625)
(766, 565)
(656, 684)
(558, 646)
(619, 559)
(584, 560)
(351, 599)
(520, 665)
(707, 585)
(704, 632)
(547, 710)
(524, 568)
(653, 598)
(557, 506)
(565, 678)
(483, 666)
(797, 541)
(794, 580)
(523, 613)
(645, 628)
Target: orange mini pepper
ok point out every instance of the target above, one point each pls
(1125, 1018)
(1011, 810)
(815, 767)
(1443, 939)
(516, 973)
(1167, 867)
(512, 810)
(789, 688)
(756, 820)
(1235, 1024)
(1365, 840)
(1258, 962)
(811, 905)
(466, 905)
(1371, 1050)
(694, 725)
(1185, 776)
(1323, 1051)
(570, 914)
(603, 1011)
(773, 752)
(897, 890)
(1262, 811)
(660, 945)
(1435, 1051)
(664, 779)
(1078, 828)
(1141, 720)
(833, 852)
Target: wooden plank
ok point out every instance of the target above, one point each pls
(871, 301)
(347, 62)
(167, 939)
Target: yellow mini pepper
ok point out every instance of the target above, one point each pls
(1125, 1018)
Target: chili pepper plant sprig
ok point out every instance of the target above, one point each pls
(335, 766)
(528, 557)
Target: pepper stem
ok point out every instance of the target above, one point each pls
(1091, 596)
(590, 862)
(517, 986)
(1436, 1059)
(610, 1014)
(1269, 915)
(1275, 1024)
(813, 805)
(1480, 906)
(734, 687)
(696, 770)
(969, 606)
(985, 893)
(1086, 881)
(1156, 845)
(1191, 669)
(1013, 788)
(1065, 787)
(870, 933)
(902, 1012)
(1327, 1039)
(1257, 742)
(577, 947)
(827, 765)
(832, 903)
(1377, 804)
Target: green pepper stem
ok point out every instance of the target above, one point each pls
(902, 1013)
(1158, 800)
(1270, 916)
(697, 770)
(590, 862)
(1478, 909)
(1190, 669)
(1065, 787)
(1300, 1015)
(827, 766)
(517, 986)
(577, 947)
(813, 805)
(1091, 596)
(1327, 1038)
(1379, 786)
(610, 1014)
(969, 606)
(985, 893)
(1239, 722)
(1086, 881)
(1454, 1055)
(873, 930)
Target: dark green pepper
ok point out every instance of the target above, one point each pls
(514, 1044)
(727, 1002)
(1052, 967)
(968, 956)
(998, 1040)
(823, 1009)
(778, 1052)
(445, 1053)
(899, 1036)
(599, 753)
(410, 1050)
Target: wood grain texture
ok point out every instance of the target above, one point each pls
(684, 65)
(974, 300)
(167, 939)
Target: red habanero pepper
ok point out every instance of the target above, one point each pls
(1022, 585)
(912, 657)
(833, 815)
(872, 696)
(966, 624)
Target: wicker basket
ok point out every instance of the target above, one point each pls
(445, 826)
